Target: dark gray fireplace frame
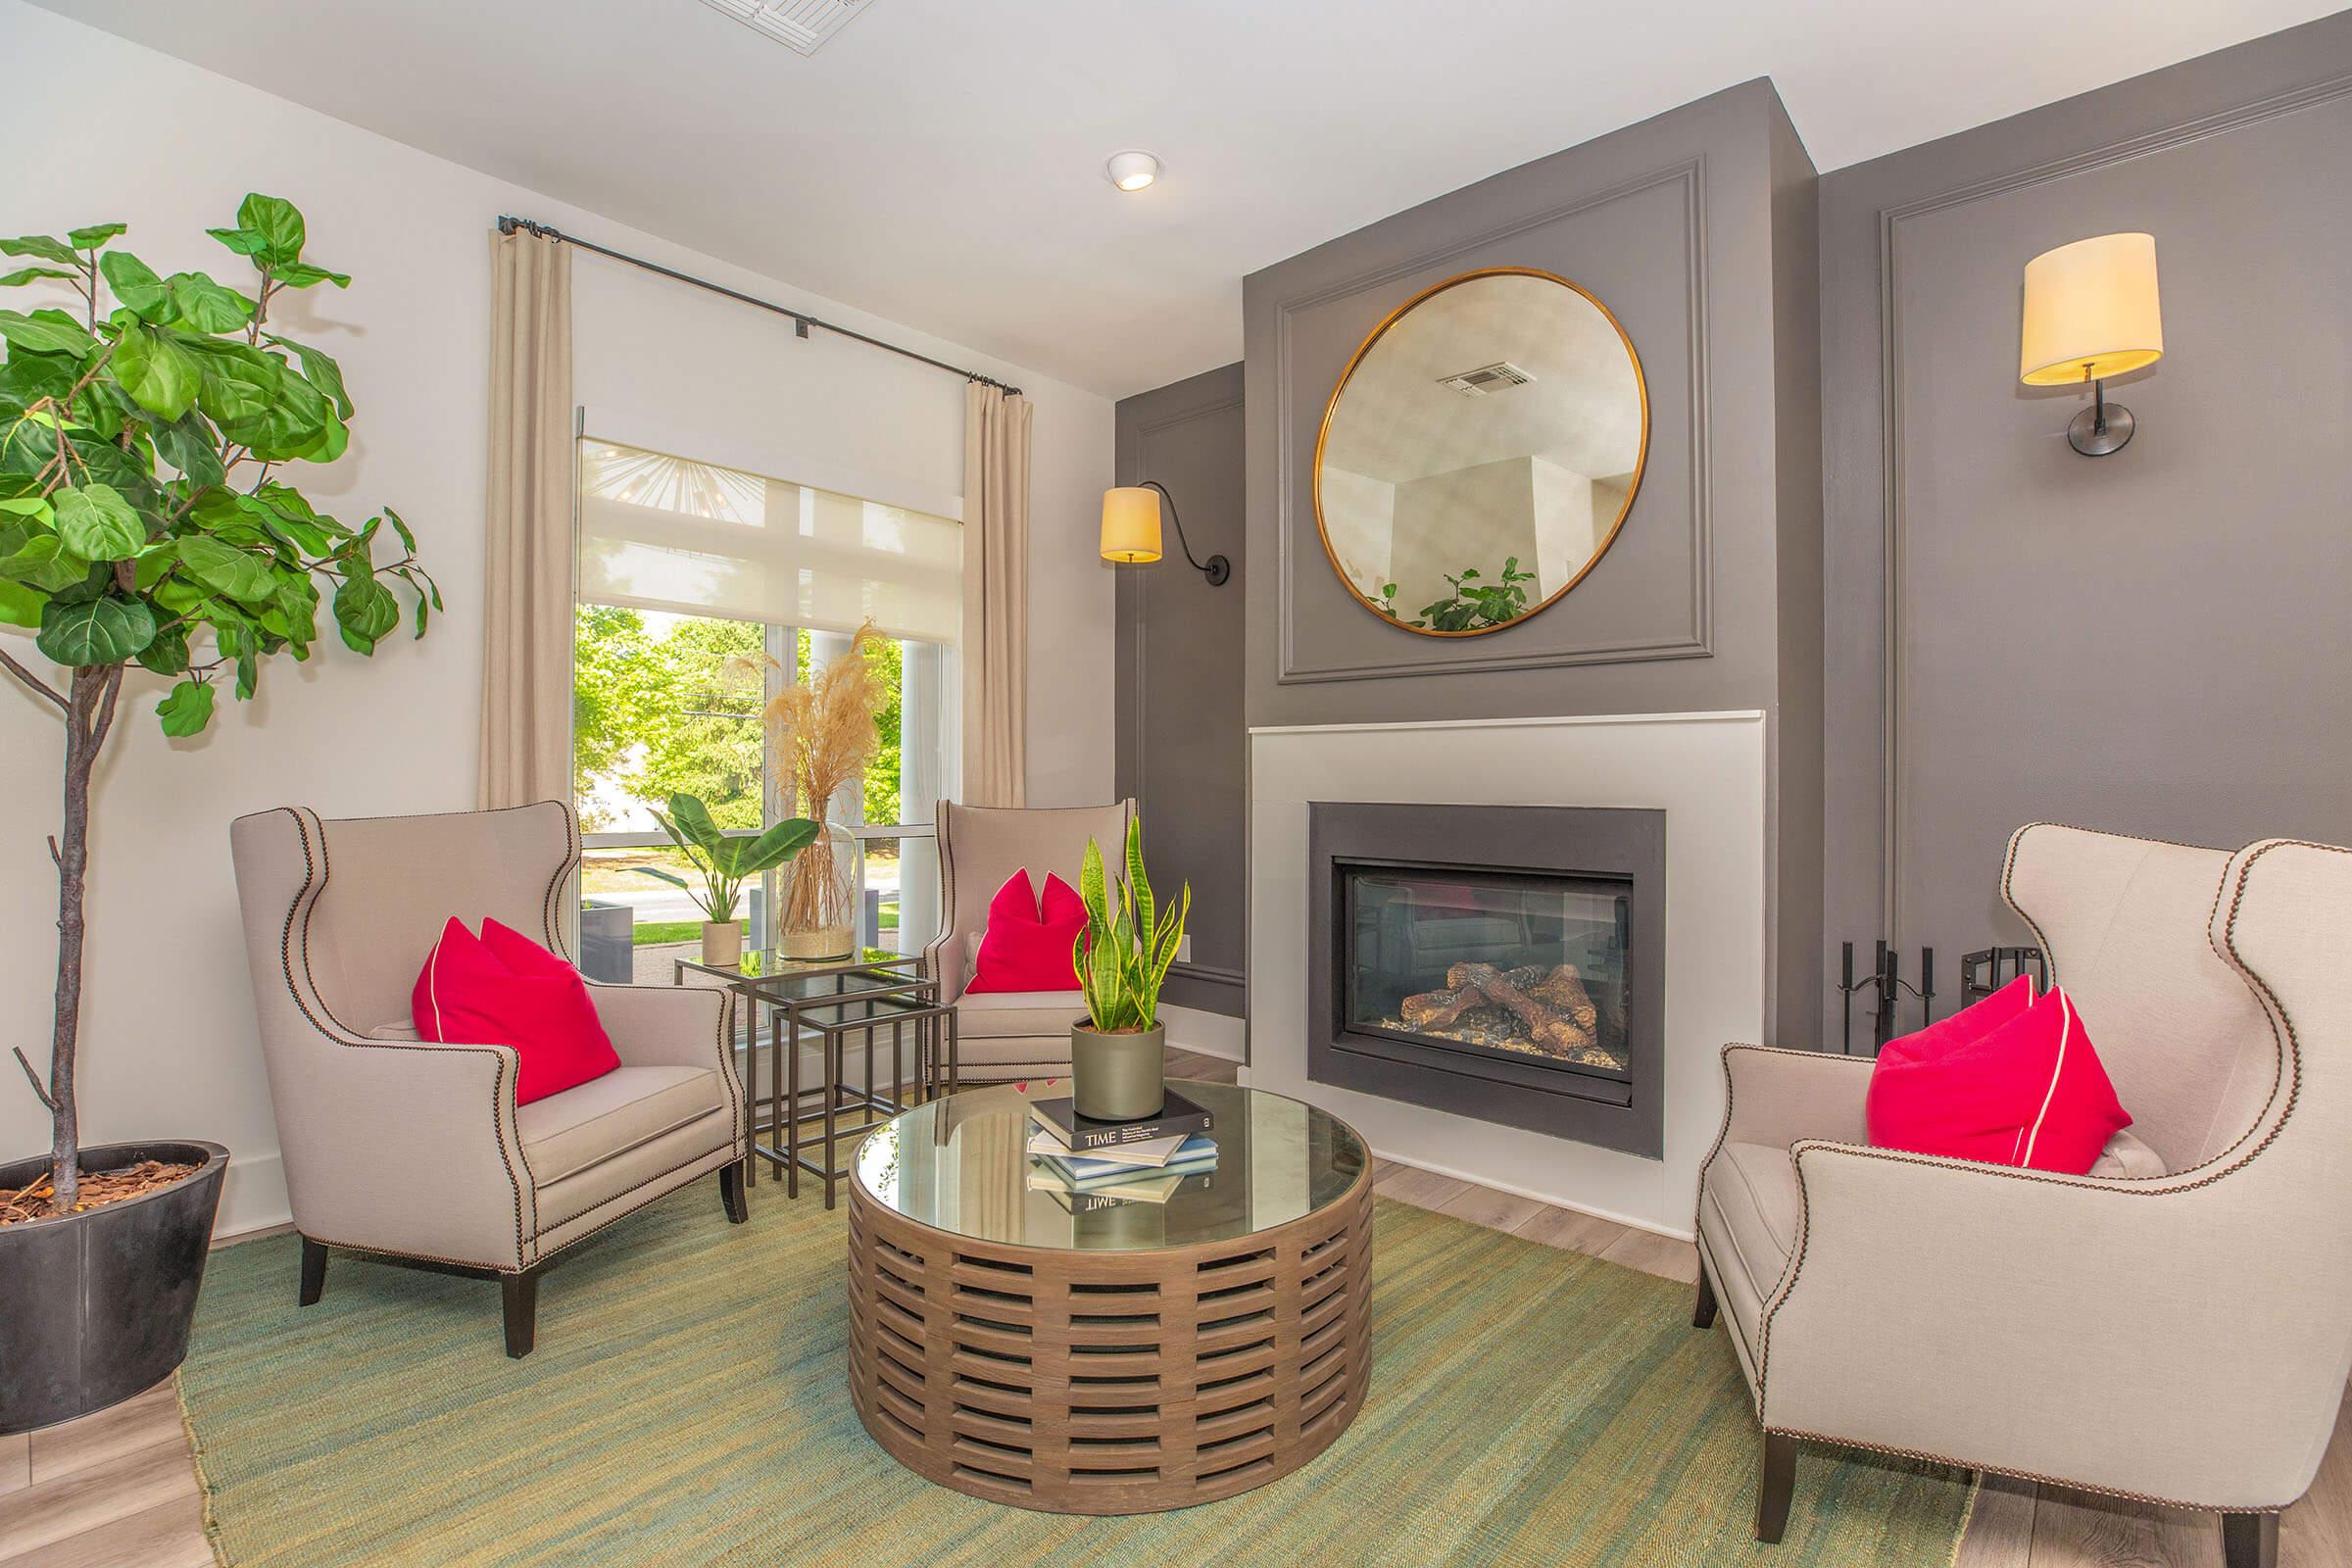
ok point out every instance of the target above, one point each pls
(1610, 842)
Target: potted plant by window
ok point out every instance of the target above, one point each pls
(1118, 1051)
(726, 864)
(143, 523)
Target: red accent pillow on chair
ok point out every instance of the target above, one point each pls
(1029, 938)
(2018, 1086)
(501, 988)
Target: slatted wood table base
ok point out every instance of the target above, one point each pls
(1103, 1383)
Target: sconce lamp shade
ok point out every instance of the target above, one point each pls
(2090, 311)
(1131, 524)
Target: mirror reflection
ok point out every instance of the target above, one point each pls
(1481, 452)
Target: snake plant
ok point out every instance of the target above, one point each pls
(1123, 954)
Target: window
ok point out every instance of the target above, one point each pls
(703, 591)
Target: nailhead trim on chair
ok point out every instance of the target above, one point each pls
(316, 872)
(2282, 1032)
(2024, 1474)
(2049, 952)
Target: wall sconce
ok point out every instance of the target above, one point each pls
(1131, 530)
(2090, 313)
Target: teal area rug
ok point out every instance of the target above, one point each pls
(687, 1404)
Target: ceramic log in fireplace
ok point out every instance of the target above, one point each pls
(1502, 962)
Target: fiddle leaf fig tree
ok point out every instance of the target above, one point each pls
(146, 517)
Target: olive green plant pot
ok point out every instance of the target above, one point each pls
(1118, 1077)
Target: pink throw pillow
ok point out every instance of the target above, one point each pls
(2027, 1091)
(501, 988)
(1030, 939)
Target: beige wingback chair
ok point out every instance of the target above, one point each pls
(2180, 1338)
(416, 1152)
(1013, 1034)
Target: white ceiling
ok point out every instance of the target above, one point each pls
(939, 161)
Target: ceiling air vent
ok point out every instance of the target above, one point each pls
(799, 24)
(1499, 376)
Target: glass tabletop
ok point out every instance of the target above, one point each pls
(857, 1010)
(771, 972)
(962, 1165)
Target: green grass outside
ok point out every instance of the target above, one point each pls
(652, 932)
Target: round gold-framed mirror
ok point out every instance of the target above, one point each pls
(1481, 452)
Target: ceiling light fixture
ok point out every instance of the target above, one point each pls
(1132, 170)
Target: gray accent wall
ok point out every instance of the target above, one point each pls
(2155, 642)
(1182, 743)
(1695, 229)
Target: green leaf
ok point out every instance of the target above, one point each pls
(30, 378)
(188, 444)
(168, 654)
(97, 234)
(772, 848)
(302, 274)
(94, 631)
(365, 611)
(244, 241)
(44, 562)
(694, 819)
(46, 332)
(95, 523)
(320, 370)
(407, 540)
(292, 425)
(226, 570)
(28, 274)
(20, 606)
(276, 221)
(187, 709)
(157, 371)
(136, 286)
(205, 306)
(334, 436)
(42, 246)
(239, 383)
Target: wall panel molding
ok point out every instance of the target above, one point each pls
(1894, 826)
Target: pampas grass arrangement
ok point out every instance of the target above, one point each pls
(822, 736)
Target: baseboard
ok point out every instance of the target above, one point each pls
(253, 1196)
(1626, 1221)
(1207, 1034)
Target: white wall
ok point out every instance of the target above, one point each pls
(168, 1029)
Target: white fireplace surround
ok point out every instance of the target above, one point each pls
(1705, 771)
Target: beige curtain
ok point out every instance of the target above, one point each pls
(528, 588)
(996, 596)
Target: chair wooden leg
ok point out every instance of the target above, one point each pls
(314, 1271)
(1702, 1316)
(731, 1193)
(519, 1293)
(1778, 1483)
(2250, 1539)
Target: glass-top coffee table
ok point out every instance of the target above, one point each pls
(1058, 1352)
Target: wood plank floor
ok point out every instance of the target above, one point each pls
(118, 1489)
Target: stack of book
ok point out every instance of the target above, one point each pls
(1118, 1162)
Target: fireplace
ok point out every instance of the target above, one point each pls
(1502, 962)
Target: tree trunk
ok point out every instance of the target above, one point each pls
(89, 714)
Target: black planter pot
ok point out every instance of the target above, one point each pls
(95, 1307)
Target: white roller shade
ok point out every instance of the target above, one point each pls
(659, 532)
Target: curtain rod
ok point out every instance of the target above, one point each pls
(801, 320)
